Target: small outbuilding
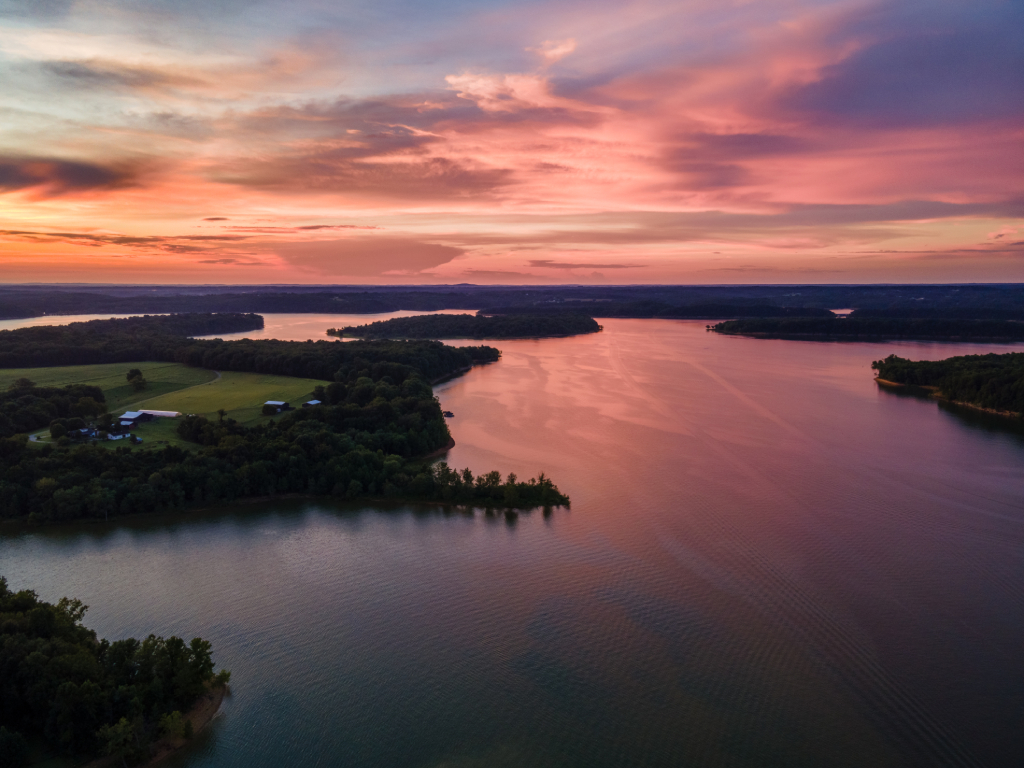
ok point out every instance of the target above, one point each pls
(310, 403)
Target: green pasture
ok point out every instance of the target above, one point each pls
(240, 394)
(162, 378)
(173, 387)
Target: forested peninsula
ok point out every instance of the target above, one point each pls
(990, 382)
(643, 309)
(376, 420)
(523, 326)
(874, 328)
(66, 693)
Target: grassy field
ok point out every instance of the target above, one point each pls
(174, 387)
(162, 378)
(241, 394)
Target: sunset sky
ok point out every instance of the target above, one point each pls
(430, 141)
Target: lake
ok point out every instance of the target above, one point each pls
(769, 561)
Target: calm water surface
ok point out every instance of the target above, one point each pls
(768, 562)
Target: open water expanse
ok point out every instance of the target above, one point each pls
(769, 561)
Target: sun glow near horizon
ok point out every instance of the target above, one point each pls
(655, 142)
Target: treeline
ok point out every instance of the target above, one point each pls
(681, 301)
(659, 309)
(85, 697)
(330, 359)
(24, 407)
(362, 442)
(122, 340)
(165, 338)
(943, 313)
(472, 327)
(864, 328)
(987, 381)
(17, 304)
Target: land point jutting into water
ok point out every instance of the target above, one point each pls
(318, 434)
(356, 296)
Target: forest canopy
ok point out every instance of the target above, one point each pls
(377, 420)
(472, 327)
(119, 340)
(85, 697)
(992, 381)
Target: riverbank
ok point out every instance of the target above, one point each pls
(200, 716)
(935, 393)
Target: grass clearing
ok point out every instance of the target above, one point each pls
(240, 394)
(173, 387)
(162, 378)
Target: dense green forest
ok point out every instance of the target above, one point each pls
(858, 329)
(472, 327)
(122, 340)
(363, 441)
(25, 407)
(379, 414)
(85, 697)
(987, 381)
(165, 338)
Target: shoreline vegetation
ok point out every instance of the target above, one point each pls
(518, 326)
(373, 432)
(199, 717)
(68, 694)
(994, 301)
(860, 328)
(991, 383)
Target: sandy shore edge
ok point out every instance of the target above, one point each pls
(201, 715)
(935, 393)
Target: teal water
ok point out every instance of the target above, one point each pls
(768, 561)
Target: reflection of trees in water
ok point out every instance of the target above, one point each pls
(975, 419)
(983, 421)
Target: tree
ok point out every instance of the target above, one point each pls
(268, 410)
(120, 739)
(134, 373)
(87, 406)
(13, 749)
(221, 413)
(22, 383)
(138, 383)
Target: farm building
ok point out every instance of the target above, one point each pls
(131, 418)
(310, 403)
(280, 405)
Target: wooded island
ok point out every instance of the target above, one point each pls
(873, 328)
(525, 326)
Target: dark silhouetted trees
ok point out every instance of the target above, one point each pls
(986, 381)
(518, 326)
(85, 697)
